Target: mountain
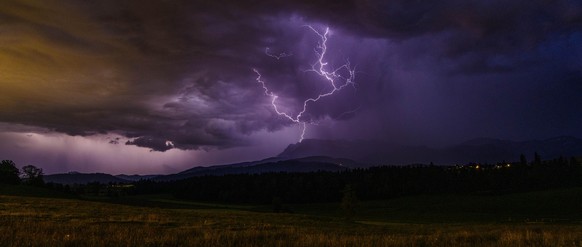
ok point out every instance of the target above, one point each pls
(365, 152)
(337, 155)
(82, 178)
(483, 150)
(276, 164)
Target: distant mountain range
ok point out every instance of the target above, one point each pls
(307, 164)
(276, 164)
(336, 155)
(481, 150)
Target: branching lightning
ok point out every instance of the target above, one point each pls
(321, 67)
(279, 56)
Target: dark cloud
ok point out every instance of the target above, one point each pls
(114, 141)
(151, 142)
(180, 72)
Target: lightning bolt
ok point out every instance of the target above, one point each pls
(281, 55)
(333, 76)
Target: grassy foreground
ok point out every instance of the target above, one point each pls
(44, 221)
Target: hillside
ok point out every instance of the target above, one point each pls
(307, 164)
(335, 155)
(481, 150)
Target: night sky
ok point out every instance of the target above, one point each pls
(161, 86)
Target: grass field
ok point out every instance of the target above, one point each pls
(549, 218)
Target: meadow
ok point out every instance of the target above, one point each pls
(35, 217)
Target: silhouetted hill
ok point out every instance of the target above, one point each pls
(366, 152)
(335, 155)
(83, 178)
(307, 164)
(476, 150)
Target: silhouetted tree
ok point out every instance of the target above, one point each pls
(349, 202)
(573, 161)
(537, 159)
(32, 175)
(9, 174)
(522, 160)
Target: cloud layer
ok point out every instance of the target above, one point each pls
(179, 74)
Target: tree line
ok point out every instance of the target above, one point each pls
(10, 174)
(375, 183)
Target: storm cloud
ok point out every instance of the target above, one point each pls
(179, 74)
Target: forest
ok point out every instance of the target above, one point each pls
(374, 183)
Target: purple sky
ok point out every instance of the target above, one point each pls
(161, 86)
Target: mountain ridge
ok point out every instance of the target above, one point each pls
(483, 150)
(336, 155)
